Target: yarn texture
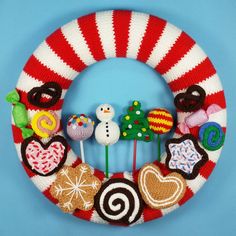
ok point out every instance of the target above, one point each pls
(63, 55)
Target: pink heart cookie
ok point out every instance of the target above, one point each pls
(44, 159)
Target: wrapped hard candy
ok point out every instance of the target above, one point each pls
(80, 127)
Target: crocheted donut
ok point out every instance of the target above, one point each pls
(110, 34)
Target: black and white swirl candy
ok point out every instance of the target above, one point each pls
(119, 201)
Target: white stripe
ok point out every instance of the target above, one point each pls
(27, 82)
(97, 219)
(138, 222)
(18, 150)
(128, 175)
(166, 211)
(104, 24)
(164, 44)
(71, 158)
(213, 155)
(211, 85)
(219, 117)
(75, 38)
(190, 60)
(196, 184)
(137, 29)
(50, 59)
(43, 182)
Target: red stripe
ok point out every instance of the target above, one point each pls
(117, 175)
(85, 215)
(154, 30)
(121, 22)
(17, 136)
(29, 106)
(159, 116)
(89, 30)
(217, 98)
(158, 125)
(188, 194)
(76, 163)
(99, 174)
(36, 69)
(206, 170)
(150, 214)
(62, 48)
(29, 172)
(182, 45)
(48, 195)
(199, 73)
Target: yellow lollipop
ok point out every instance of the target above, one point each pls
(45, 123)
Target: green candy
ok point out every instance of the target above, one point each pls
(19, 114)
(26, 133)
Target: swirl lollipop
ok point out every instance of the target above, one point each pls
(211, 136)
(160, 122)
(45, 123)
(79, 128)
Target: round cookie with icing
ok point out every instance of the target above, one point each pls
(119, 201)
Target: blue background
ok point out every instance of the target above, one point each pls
(24, 24)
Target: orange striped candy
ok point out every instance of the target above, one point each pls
(160, 120)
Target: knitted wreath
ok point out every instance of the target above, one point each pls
(159, 187)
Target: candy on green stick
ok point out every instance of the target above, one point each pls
(19, 114)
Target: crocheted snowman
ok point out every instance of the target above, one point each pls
(107, 131)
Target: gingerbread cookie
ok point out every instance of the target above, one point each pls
(160, 191)
(75, 188)
(185, 156)
(119, 201)
(44, 159)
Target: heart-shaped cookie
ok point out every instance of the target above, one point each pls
(160, 191)
(44, 159)
(191, 100)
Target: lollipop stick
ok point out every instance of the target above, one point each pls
(134, 155)
(107, 162)
(82, 151)
(158, 147)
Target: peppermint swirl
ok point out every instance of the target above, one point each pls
(119, 201)
(45, 123)
(211, 136)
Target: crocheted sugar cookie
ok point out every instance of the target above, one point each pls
(160, 191)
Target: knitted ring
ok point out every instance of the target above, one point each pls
(118, 33)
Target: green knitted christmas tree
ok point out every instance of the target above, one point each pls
(135, 127)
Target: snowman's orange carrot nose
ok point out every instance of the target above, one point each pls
(106, 111)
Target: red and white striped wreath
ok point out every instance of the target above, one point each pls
(110, 34)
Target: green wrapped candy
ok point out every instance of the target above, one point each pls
(19, 113)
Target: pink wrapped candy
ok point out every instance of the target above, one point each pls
(198, 118)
